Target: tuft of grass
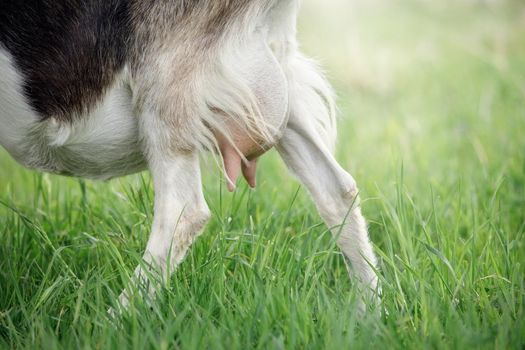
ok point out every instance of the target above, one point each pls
(432, 104)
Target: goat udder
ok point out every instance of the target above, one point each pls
(233, 162)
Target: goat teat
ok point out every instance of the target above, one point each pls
(246, 145)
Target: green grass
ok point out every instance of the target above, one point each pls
(432, 104)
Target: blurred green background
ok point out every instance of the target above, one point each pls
(431, 98)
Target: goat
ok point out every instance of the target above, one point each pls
(105, 88)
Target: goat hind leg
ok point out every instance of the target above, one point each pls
(334, 192)
(180, 212)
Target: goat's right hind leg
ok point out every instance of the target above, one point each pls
(334, 192)
(304, 148)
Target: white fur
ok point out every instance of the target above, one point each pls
(258, 78)
(107, 140)
(180, 214)
(100, 145)
(247, 83)
(15, 114)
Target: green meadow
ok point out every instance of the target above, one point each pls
(431, 98)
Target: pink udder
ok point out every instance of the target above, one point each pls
(233, 163)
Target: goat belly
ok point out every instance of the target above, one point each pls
(67, 52)
(65, 96)
(100, 144)
(65, 104)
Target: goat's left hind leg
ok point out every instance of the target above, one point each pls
(180, 212)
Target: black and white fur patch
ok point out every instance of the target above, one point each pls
(68, 51)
